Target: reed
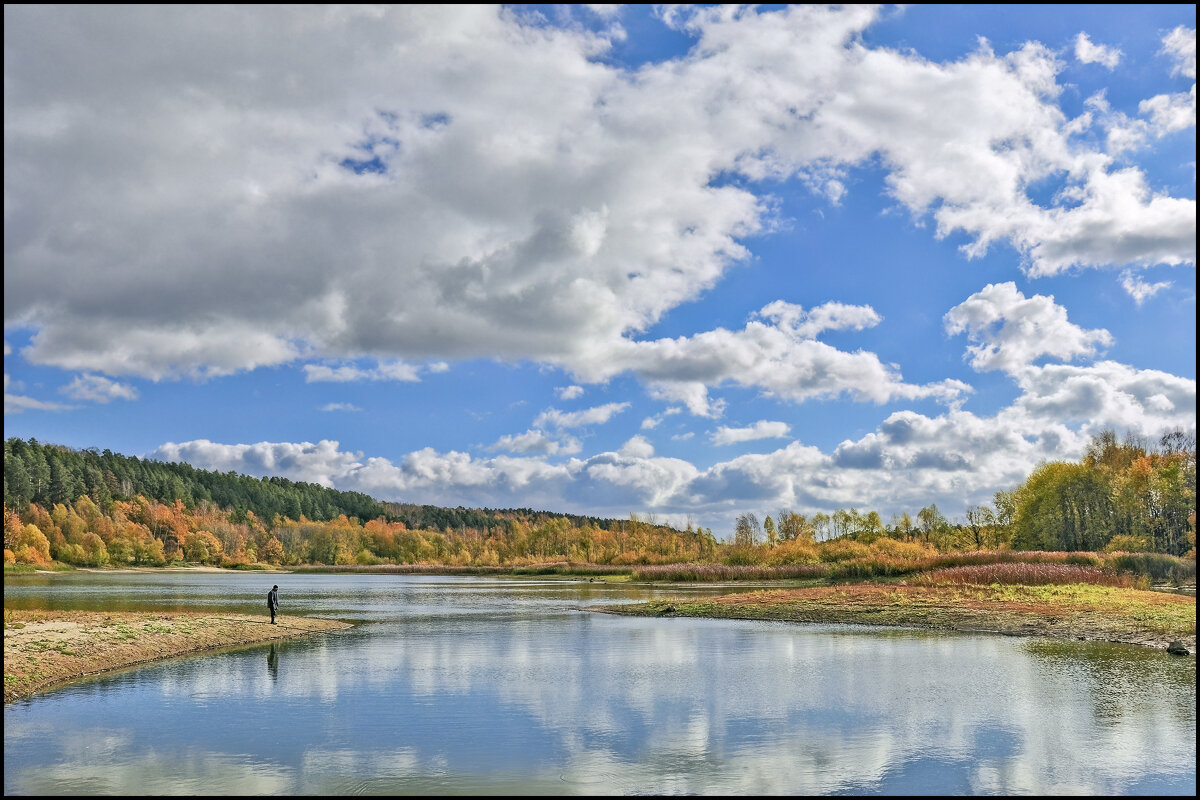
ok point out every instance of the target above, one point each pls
(1028, 574)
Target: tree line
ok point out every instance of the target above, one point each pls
(88, 508)
(1129, 496)
(48, 474)
(95, 509)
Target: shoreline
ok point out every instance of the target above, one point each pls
(46, 649)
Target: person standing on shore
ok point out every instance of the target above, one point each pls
(273, 602)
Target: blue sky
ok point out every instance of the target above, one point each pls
(686, 261)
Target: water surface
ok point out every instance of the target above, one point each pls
(464, 685)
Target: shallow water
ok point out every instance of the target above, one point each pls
(462, 685)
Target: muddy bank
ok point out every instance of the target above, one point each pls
(43, 649)
(1090, 613)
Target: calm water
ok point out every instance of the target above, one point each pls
(505, 686)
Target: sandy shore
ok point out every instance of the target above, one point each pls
(43, 649)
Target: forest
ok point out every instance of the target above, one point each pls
(85, 508)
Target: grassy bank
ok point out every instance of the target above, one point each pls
(45, 648)
(1072, 611)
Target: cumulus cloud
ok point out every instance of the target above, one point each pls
(775, 352)
(1106, 395)
(1180, 45)
(956, 459)
(763, 429)
(1169, 113)
(569, 392)
(1012, 331)
(98, 389)
(323, 463)
(637, 447)
(373, 203)
(1090, 53)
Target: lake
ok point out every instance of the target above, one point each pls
(480, 685)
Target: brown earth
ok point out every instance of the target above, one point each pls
(1090, 613)
(43, 649)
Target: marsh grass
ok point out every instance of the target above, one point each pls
(1026, 574)
(719, 573)
(835, 561)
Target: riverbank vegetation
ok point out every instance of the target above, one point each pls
(1125, 508)
(1070, 606)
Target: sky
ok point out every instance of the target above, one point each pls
(680, 261)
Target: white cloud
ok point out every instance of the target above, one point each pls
(650, 423)
(157, 351)
(370, 201)
(637, 447)
(1180, 45)
(763, 429)
(348, 373)
(1090, 53)
(537, 442)
(1012, 331)
(1175, 112)
(1106, 395)
(604, 9)
(18, 403)
(828, 317)
(98, 389)
(1140, 290)
(1170, 112)
(340, 407)
(597, 415)
(569, 392)
(956, 460)
(322, 463)
(778, 356)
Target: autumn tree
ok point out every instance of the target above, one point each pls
(746, 530)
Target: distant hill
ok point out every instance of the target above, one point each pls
(453, 519)
(48, 474)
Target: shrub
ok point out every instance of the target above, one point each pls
(796, 551)
(1159, 567)
(843, 550)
